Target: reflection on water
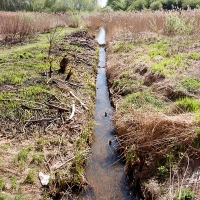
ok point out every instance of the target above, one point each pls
(101, 37)
(105, 171)
(102, 57)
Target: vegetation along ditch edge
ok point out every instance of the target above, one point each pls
(46, 114)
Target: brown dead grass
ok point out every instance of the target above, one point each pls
(147, 138)
(18, 26)
(134, 24)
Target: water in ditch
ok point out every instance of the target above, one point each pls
(105, 171)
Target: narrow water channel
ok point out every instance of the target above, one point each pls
(105, 171)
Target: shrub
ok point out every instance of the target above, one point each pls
(156, 5)
(176, 25)
(185, 193)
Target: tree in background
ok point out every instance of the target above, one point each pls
(191, 3)
(152, 4)
(48, 5)
(117, 4)
(138, 5)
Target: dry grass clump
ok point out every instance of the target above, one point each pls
(17, 26)
(153, 142)
(136, 23)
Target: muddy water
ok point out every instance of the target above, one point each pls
(105, 171)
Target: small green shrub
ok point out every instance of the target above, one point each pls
(138, 5)
(192, 3)
(163, 171)
(185, 193)
(176, 25)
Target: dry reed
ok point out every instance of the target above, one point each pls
(17, 26)
(147, 138)
(136, 23)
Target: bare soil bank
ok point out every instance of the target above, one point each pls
(154, 85)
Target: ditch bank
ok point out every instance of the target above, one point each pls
(156, 126)
(46, 122)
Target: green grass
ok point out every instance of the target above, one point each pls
(30, 177)
(168, 66)
(13, 179)
(13, 77)
(122, 47)
(194, 56)
(157, 49)
(190, 83)
(23, 154)
(38, 158)
(2, 184)
(141, 99)
(188, 104)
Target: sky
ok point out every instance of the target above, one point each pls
(102, 3)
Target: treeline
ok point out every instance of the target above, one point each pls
(128, 5)
(48, 5)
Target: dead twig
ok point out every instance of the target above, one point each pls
(30, 108)
(82, 104)
(57, 107)
(40, 120)
(73, 110)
